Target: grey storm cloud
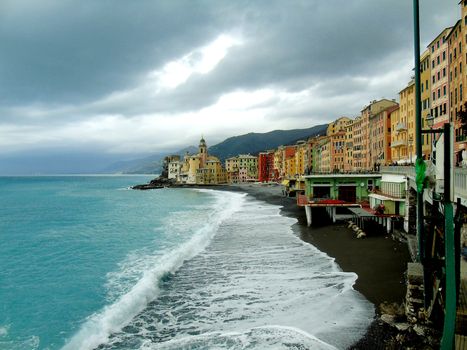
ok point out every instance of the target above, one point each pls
(68, 62)
(75, 51)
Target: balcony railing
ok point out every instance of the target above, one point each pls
(399, 143)
(401, 127)
(398, 170)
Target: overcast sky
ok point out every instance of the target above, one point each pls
(126, 78)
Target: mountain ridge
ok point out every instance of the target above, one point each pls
(250, 143)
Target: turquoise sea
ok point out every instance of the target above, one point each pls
(87, 263)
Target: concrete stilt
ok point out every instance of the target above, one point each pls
(388, 225)
(333, 211)
(308, 215)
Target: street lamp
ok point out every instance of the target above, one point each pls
(410, 143)
(430, 120)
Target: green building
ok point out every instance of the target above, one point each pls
(350, 188)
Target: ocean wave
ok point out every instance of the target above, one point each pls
(98, 327)
(257, 338)
(254, 273)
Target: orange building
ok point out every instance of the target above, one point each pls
(337, 151)
(380, 137)
(439, 78)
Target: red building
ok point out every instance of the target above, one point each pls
(266, 166)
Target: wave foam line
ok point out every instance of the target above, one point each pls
(98, 327)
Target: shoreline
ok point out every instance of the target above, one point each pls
(379, 262)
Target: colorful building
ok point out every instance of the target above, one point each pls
(425, 90)
(439, 78)
(266, 162)
(403, 137)
(380, 137)
(201, 168)
(242, 168)
(350, 188)
(349, 145)
(337, 151)
(457, 77)
(337, 125)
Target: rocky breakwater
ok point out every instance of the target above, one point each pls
(156, 183)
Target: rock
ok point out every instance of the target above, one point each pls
(402, 326)
(389, 319)
(420, 330)
(159, 182)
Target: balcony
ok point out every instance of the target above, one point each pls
(399, 143)
(401, 127)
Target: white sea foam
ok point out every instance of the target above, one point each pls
(31, 343)
(268, 337)
(99, 326)
(4, 330)
(256, 286)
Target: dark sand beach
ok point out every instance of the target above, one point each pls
(378, 260)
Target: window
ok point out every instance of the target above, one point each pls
(433, 48)
(460, 48)
(437, 45)
(460, 67)
(460, 92)
(433, 64)
(434, 79)
(437, 60)
(444, 55)
(439, 93)
(439, 75)
(444, 72)
(434, 96)
(444, 90)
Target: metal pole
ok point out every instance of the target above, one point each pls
(418, 144)
(447, 342)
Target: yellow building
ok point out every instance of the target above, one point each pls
(357, 160)
(279, 162)
(337, 125)
(348, 149)
(211, 173)
(300, 157)
(425, 90)
(399, 152)
(202, 168)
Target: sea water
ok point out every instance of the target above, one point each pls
(87, 263)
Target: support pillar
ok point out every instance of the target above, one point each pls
(388, 225)
(333, 211)
(308, 215)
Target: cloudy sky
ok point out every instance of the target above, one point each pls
(120, 79)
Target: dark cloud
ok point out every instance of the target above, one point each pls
(67, 62)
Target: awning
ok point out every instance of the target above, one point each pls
(361, 212)
(285, 182)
